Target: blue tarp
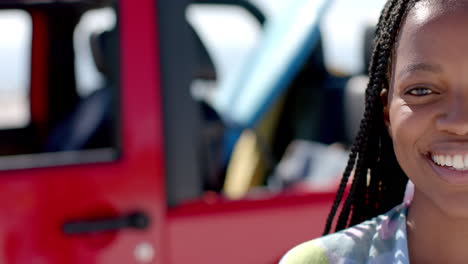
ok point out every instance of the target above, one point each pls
(244, 97)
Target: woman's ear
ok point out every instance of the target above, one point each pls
(384, 98)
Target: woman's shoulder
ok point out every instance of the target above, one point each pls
(308, 252)
(305, 253)
(372, 239)
(352, 243)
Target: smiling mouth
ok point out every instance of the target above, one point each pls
(452, 169)
(457, 162)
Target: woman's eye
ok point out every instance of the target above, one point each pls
(420, 91)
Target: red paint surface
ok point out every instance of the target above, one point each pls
(36, 202)
(234, 232)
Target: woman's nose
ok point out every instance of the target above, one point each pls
(454, 117)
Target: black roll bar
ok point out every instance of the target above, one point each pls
(247, 5)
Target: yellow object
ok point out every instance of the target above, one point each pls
(248, 167)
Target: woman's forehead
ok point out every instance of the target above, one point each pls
(425, 10)
(427, 15)
(434, 32)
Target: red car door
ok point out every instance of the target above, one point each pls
(91, 205)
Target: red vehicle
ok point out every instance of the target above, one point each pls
(127, 188)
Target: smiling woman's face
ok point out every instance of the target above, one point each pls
(427, 110)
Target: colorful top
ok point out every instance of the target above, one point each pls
(379, 240)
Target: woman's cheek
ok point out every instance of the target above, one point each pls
(402, 121)
(407, 128)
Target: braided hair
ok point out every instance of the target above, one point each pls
(379, 182)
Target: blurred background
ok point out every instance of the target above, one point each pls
(260, 99)
(275, 91)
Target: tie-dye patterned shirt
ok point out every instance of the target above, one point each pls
(379, 240)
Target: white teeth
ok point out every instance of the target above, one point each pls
(448, 161)
(441, 160)
(458, 162)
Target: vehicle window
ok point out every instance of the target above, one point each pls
(88, 76)
(230, 51)
(344, 29)
(15, 43)
(58, 85)
(297, 142)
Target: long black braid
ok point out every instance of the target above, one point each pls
(378, 181)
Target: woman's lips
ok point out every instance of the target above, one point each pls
(453, 169)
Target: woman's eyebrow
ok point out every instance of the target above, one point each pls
(427, 67)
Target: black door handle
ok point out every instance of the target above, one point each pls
(136, 220)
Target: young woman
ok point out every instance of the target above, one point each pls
(415, 126)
